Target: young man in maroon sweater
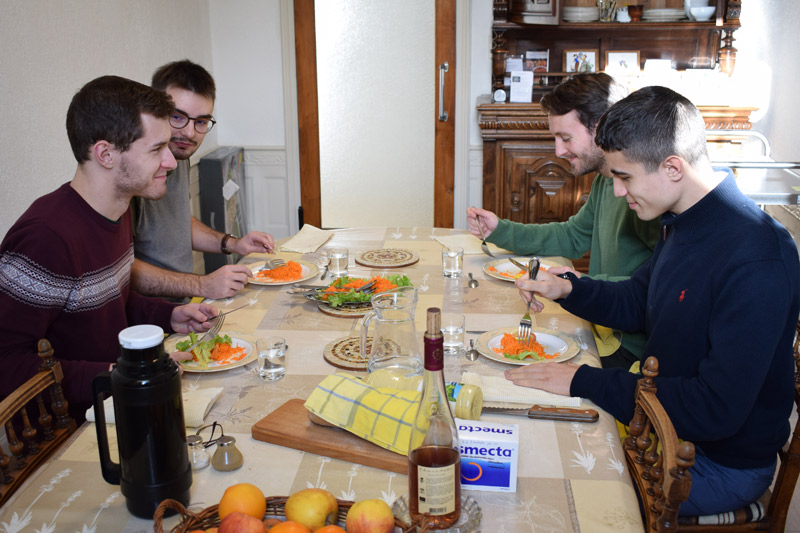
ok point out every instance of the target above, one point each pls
(65, 264)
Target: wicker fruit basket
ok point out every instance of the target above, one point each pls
(208, 517)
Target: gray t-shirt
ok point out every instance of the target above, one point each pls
(163, 233)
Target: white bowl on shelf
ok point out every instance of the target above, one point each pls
(703, 13)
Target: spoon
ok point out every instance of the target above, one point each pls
(324, 265)
(472, 281)
(472, 353)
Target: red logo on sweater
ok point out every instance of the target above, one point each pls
(683, 293)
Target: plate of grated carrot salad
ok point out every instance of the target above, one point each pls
(545, 345)
(295, 270)
(223, 353)
(505, 270)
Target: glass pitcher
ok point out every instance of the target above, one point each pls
(394, 339)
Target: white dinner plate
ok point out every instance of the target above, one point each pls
(309, 270)
(554, 342)
(213, 366)
(505, 270)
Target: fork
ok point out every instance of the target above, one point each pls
(367, 287)
(524, 331)
(211, 333)
(270, 264)
(484, 246)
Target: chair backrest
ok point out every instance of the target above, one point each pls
(36, 420)
(776, 502)
(658, 462)
(786, 480)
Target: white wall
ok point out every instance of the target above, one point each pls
(50, 49)
(246, 40)
(766, 43)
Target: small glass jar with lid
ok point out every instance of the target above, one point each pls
(227, 457)
(198, 456)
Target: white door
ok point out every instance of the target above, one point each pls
(375, 79)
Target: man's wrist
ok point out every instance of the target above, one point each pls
(223, 245)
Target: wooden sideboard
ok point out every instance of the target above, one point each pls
(524, 181)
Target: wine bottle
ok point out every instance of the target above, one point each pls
(434, 460)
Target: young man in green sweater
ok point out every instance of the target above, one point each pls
(618, 240)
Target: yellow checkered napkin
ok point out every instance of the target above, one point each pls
(382, 416)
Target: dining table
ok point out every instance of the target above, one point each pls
(571, 476)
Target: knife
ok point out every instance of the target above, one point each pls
(565, 414)
(523, 267)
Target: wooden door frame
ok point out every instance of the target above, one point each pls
(308, 113)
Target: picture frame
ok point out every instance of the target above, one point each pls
(622, 61)
(580, 60)
(538, 61)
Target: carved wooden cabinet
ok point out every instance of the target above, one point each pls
(687, 44)
(523, 180)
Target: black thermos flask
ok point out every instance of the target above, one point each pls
(151, 434)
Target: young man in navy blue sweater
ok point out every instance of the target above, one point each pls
(718, 300)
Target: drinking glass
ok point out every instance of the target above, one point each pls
(271, 358)
(452, 260)
(453, 331)
(338, 262)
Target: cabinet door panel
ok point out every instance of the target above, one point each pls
(539, 187)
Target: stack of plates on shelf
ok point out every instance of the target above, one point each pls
(581, 14)
(663, 15)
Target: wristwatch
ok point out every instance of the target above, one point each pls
(223, 245)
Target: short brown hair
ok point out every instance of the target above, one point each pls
(109, 108)
(590, 94)
(186, 75)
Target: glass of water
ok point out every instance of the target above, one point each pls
(271, 358)
(453, 331)
(452, 261)
(338, 261)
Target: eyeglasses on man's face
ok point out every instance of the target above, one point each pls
(179, 120)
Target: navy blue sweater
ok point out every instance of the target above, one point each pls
(719, 302)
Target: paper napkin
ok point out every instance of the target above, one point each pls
(307, 240)
(470, 243)
(499, 389)
(196, 405)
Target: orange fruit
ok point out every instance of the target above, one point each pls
(269, 522)
(243, 498)
(333, 528)
(289, 527)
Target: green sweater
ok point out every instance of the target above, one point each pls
(618, 240)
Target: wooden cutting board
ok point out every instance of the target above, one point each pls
(290, 426)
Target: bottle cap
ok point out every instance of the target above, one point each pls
(141, 337)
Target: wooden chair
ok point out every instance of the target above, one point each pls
(769, 513)
(652, 450)
(30, 444)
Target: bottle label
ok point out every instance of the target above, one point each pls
(436, 489)
(434, 353)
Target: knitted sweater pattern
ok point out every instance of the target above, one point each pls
(64, 277)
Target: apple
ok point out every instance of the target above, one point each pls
(370, 516)
(241, 523)
(313, 508)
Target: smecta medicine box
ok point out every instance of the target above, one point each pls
(489, 455)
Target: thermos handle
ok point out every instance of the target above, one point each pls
(100, 386)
